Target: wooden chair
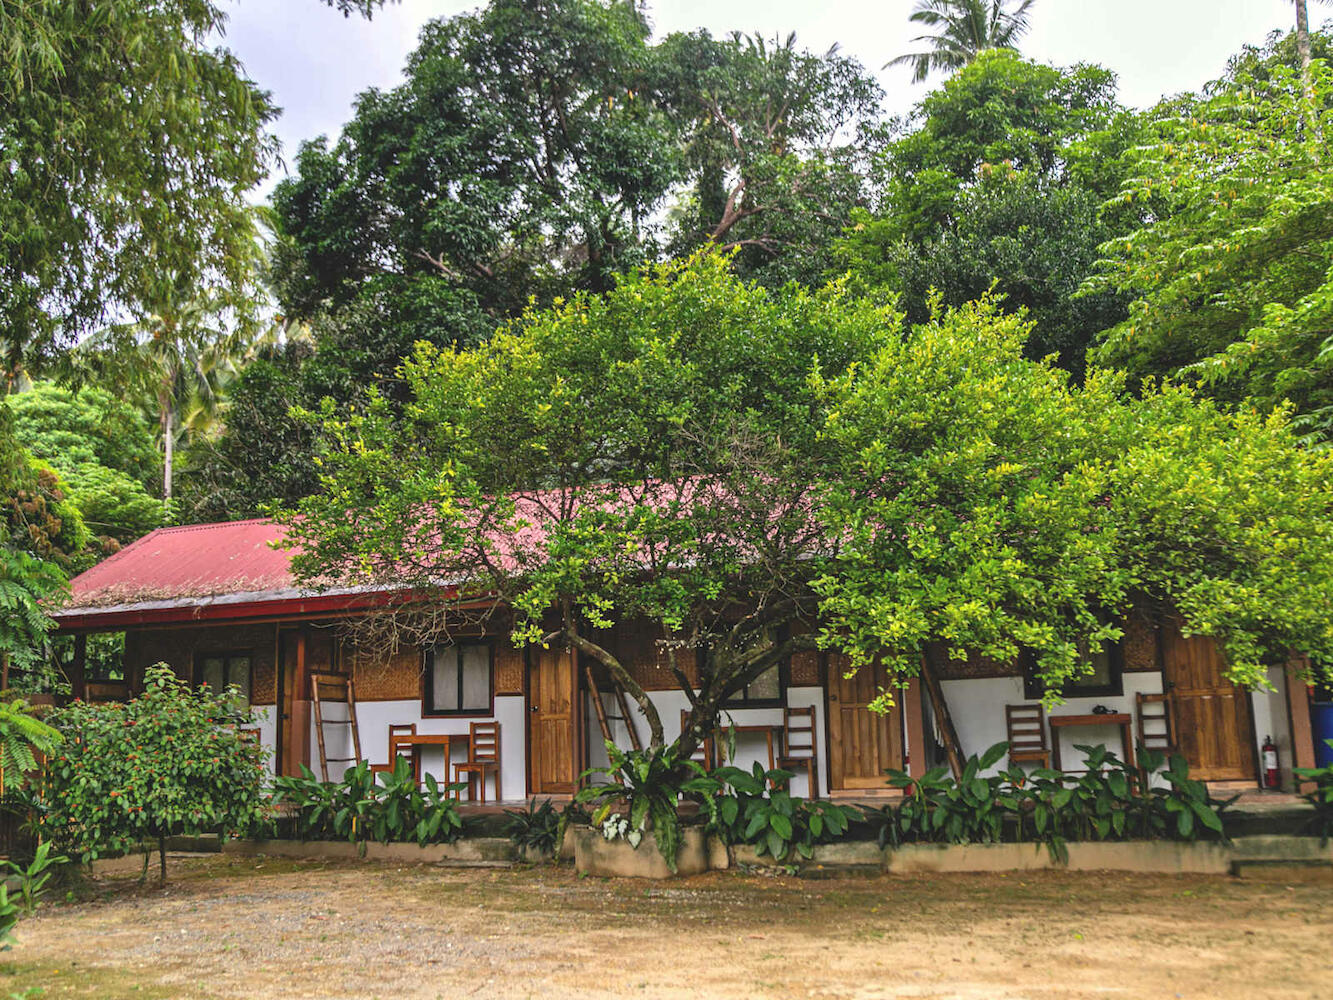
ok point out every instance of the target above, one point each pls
(798, 746)
(1025, 726)
(703, 753)
(483, 757)
(395, 750)
(1156, 718)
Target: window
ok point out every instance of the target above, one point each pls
(221, 670)
(458, 679)
(765, 691)
(1103, 681)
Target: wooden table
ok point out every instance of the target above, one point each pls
(416, 741)
(1121, 719)
(771, 731)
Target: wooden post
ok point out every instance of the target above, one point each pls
(915, 721)
(952, 748)
(1298, 719)
(78, 671)
(298, 728)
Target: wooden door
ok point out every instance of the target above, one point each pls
(1214, 721)
(553, 731)
(862, 743)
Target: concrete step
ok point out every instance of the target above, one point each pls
(1284, 870)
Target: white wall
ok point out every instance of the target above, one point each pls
(264, 718)
(977, 707)
(750, 747)
(374, 718)
(1271, 718)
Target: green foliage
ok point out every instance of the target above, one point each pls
(394, 809)
(103, 451)
(999, 183)
(170, 762)
(108, 201)
(21, 735)
(34, 878)
(1227, 258)
(757, 808)
(265, 455)
(649, 783)
(641, 454)
(1108, 801)
(91, 426)
(985, 503)
(25, 582)
(10, 912)
(1320, 796)
(537, 827)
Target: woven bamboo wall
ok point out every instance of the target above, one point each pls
(180, 647)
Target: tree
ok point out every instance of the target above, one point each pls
(110, 203)
(171, 762)
(989, 505)
(965, 29)
(103, 450)
(775, 141)
(1227, 263)
(999, 177)
(622, 458)
(531, 153)
(175, 364)
(517, 159)
(265, 454)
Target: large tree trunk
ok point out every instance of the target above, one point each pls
(1303, 49)
(657, 737)
(168, 449)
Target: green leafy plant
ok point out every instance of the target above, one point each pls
(170, 762)
(33, 878)
(649, 783)
(536, 827)
(757, 808)
(22, 735)
(10, 912)
(387, 807)
(1109, 800)
(1321, 796)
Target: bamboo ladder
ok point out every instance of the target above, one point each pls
(344, 692)
(603, 720)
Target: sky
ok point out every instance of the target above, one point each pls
(315, 61)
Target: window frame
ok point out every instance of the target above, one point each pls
(740, 700)
(1115, 653)
(428, 711)
(226, 656)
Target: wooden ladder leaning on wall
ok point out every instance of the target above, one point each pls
(343, 692)
(622, 706)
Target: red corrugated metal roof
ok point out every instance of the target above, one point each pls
(179, 566)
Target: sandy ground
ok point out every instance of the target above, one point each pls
(230, 927)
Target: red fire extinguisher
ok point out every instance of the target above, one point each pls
(1271, 778)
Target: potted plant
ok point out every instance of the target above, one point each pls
(636, 828)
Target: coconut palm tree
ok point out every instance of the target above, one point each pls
(962, 30)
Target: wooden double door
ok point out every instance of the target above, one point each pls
(862, 743)
(554, 727)
(1214, 718)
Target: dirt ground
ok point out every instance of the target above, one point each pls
(230, 927)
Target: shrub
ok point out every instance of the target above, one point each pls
(536, 827)
(170, 762)
(1321, 797)
(650, 783)
(393, 809)
(1109, 801)
(756, 808)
